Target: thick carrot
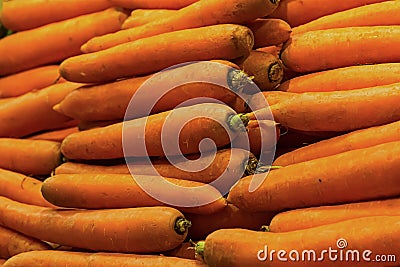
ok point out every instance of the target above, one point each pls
(148, 55)
(273, 50)
(23, 15)
(13, 243)
(377, 14)
(229, 217)
(342, 47)
(15, 121)
(133, 230)
(356, 177)
(269, 32)
(308, 247)
(22, 188)
(140, 17)
(56, 135)
(87, 125)
(209, 120)
(313, 217)
(343, 78)
(26, 81)
(257, 101)
(354, 140)
(297, 12)
(85, 259)
(145, 4)
(56, 41)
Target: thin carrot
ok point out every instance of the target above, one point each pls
(26, 81)
(84, 259)
(13, 243)
(145, 4)
(298, 12)
(377, 14)
(354, 140)
(308, 247)
(22, 188)
(140, 17)
(183, 251)
(75, 168)
(56, 135)
(317, 216)
(87, 125)
(133, 230)
(23, 15)
(15, 121)
(343, 78)
(356, 177)
(257, 101)
(342, 47)
(199, 14)
(273, 50)
(56, 41)
(269, 32)
(297, 139)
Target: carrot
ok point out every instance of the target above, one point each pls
(106, 142)
(133, 230)
(354, 140)
(297, 139)
(17, 122)
(269, 32)
(140, 17)
(239, 247)
(257, 101)
(148, 55)
(2, 261)
(43, 157)
(76, 168)
(317, 216)
(199, 14)
(351, 46)
(13, 243)
(84, 259)
(356, 178)
(377, 14)
(26, 81)
(298, 12)
(273, 50)
(56, 41)
(87, 125)
(55, 136)
(183, 251)
(338, 110)
(145, 4)
(22, 188)
(229, 217)
(23, 15)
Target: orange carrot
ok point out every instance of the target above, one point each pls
(269, 32)
(342, 47)
(313, 217)
(87, 125)
(131, 230)
(140, 17)
(148, 55)
(75, 168)
(23, 15)
(56, 41)
(17, 122)
(43, 157)
(56, 136)
(22, 188)
(199, 14)
(354, 140)
(273, 50)
(297, 12)
(26, 81)
(343, 78)
(356, 178)
(145, 4)
(2, 261)
(184, 251)
(84, 259)
(377, 14)
(257, 101)
(13, 243)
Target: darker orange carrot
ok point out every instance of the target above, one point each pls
(56, 135)
(140, 17)
(145, 4)
(273, 50)
(269, 32)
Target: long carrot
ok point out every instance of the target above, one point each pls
(377, 14)
(15, 121)
(257, 101)
(131, 230)
(140, 17)
(56, 41)
(148, 55)
(87, 125)
(26, 81)
(342, 47)
(356, 178)
(56, 135)
(13, 243)
(85, 259)
(145, 4)
(269, 32)
(354, 140)
(313, 217)
(347, 242)
(23, 15)
(298, 12)
(22, 188)
(343, 78)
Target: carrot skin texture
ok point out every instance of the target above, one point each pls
(132, 230)
(273, 49)
(55, 136)
(140, 17)
(136, 4)
(349, 178)
(268, 32)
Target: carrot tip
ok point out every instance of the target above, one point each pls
(238, 122)
(199, 248)
(182, 225)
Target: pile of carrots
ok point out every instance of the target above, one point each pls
(302, 106)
